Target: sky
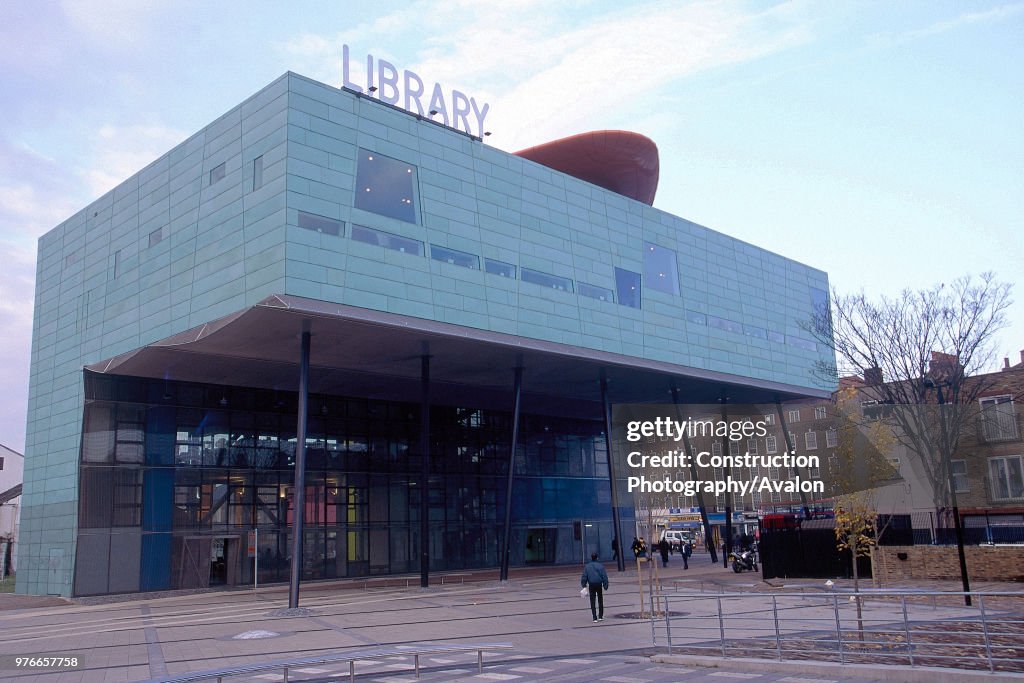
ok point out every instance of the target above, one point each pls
(881, 142)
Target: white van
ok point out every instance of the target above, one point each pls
(677, 538)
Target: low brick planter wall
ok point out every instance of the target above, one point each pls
(984, 563)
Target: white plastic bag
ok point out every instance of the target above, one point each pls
(584, 592)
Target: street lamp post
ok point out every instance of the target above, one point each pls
(947, 464)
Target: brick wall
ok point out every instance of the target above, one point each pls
(984, 563)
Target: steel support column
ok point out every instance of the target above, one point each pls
(299, 497)
(792, 451)
(506, 533)
(727, 550)
(696, 477)
(606, 407)
(424, 470)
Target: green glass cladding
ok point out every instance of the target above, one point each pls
(561, 239)
(263, 201)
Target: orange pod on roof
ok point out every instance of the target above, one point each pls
(617, 160)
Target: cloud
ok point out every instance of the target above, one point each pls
(995, 14)
(120, 152)
(16, 296)
(546, 72)
(36, 195)
(114, 24)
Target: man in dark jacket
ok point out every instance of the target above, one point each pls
(664, 547)
(596, 578)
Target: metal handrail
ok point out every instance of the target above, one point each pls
(351, 657)
(915, 627)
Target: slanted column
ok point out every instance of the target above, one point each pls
(506, 536)
(696, 477)
(792, 451)
(300, 471)
(616, 523)
(728, 496)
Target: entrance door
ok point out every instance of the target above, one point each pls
(540, 545)
(224, 561)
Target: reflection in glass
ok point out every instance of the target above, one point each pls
(594, 292)
(361, 233)
(547, 280)
(500, 268)
(385, 186)
(627, 285)
(660, 268)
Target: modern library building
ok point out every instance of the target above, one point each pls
(434, 328)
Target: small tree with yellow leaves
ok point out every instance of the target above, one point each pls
(856, 528)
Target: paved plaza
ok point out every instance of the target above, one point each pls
(539, 611)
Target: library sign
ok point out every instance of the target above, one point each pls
(407, 90)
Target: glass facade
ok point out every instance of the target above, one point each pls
(177, 475)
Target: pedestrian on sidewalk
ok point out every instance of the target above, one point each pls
(663, 548)
(596, 579)
(615, 548)
(686, 550)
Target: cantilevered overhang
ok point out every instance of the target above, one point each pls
(360, 352)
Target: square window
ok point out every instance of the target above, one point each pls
(218, 172)
(660, 268)
(696, 317)
(819, 413)
(156, 237)
(999, 423)
(386, 186)
(794, 416)
(627, 286)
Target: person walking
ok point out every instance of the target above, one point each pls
(596, 579)
(663, 547)
(615, 548)
(686, 550)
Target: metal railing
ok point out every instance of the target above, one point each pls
(350, 658)
(915, 628)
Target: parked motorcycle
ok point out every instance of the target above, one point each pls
(745, 560)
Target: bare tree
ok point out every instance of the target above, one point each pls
(922, 355)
